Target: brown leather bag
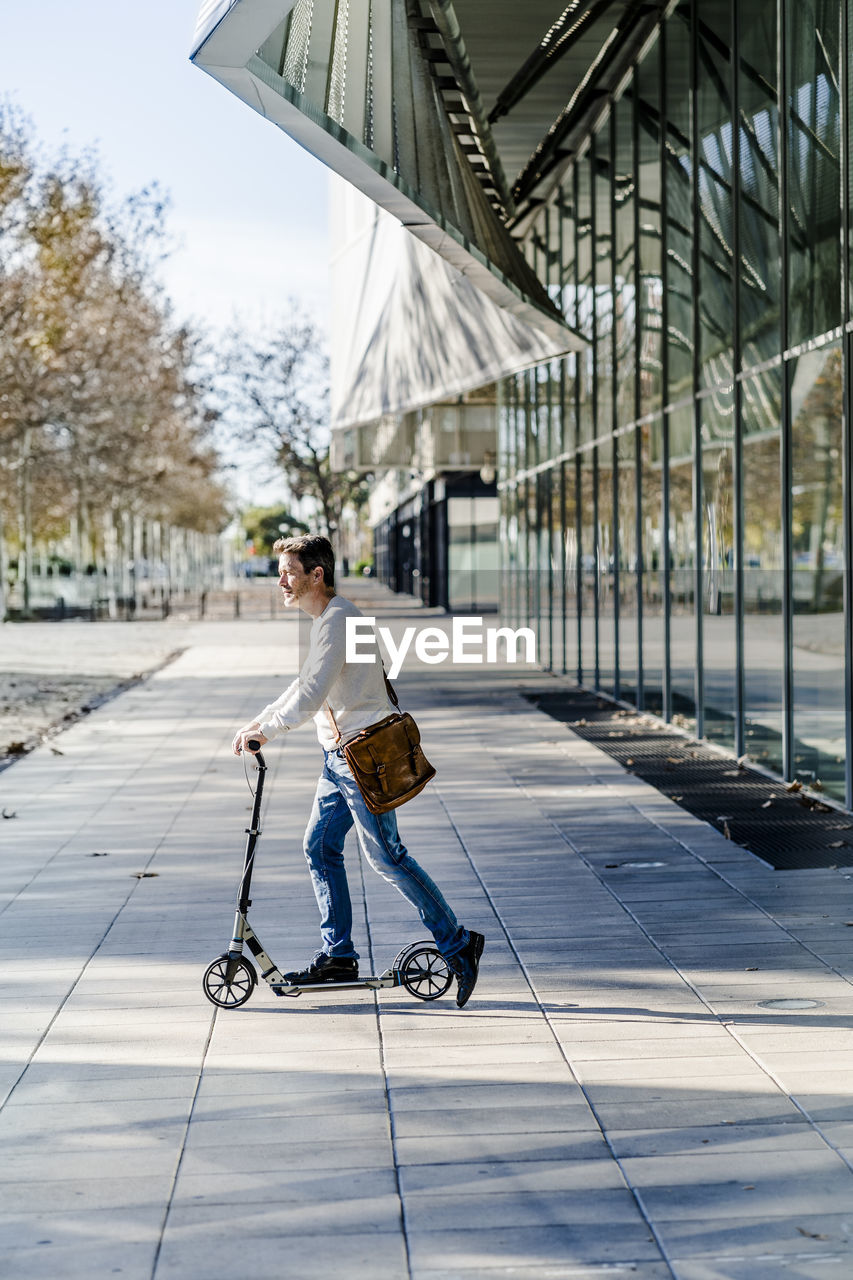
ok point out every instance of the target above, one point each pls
(386, 759)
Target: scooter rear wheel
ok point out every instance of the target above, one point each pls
(228, 982)
(424, 972)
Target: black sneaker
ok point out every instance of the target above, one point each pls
(466, 964)
(324, 968)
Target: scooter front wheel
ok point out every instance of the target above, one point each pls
(228, 982)
(424, 972)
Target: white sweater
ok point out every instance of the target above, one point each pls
(355, 690)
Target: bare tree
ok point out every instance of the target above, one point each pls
(273, 396)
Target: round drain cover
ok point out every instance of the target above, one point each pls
(790, 1004)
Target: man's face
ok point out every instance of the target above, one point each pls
(295, 583)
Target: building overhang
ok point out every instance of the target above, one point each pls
(365, 99)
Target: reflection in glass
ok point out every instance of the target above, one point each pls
(682, 562)
(586, 308)
(603, 284)
(627, 553)
(678, 233)
(718, 572)
(573, 565)
(625, 317)
(605, 559)
(814, 168)
(715, 211)
(589, 594)
(760, 273)
(651, 454)
(649, 193)
(818, 577)
(763, 558)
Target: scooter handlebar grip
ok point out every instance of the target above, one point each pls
(253, 744)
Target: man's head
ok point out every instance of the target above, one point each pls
(306, 569)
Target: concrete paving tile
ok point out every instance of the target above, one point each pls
(282, 1153)
(825, 1267)
(550, 1271)
(639, 1067)
(452, 1149)
(196, 1253)
(452, 1055)
(130, 1222)
(44, 1163)
(46, 1092)
(509, 1177)
(700, 1111)
(484, 1120)
(294, 1186)
(741, 1088)
(58, 1196)
(765, 1139)
(450, 1211)
(796, 1238)
(450, 1096)
(540, 1246)
(260, 1130)
(274, 1213)
(733, 1183)
(61, 1261)
(280, 1101)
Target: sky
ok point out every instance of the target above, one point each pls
(248, 206)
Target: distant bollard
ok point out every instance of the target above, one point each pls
(202, 604)
(236, 604)
(59, 606)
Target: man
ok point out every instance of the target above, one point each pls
(357, 695)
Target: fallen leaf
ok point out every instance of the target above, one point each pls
(811, 1235)
(726, 832)
(99, 855)
(673, 759)
(9, 813)
(794, 786)
(16, 748)
(629, 761)
(767, 804)
(837, 844)
(752, 969)
(57, 752)
(749, 1187)
(145, 875)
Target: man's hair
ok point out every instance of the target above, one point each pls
(311, 550)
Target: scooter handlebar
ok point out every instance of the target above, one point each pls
(253, 744)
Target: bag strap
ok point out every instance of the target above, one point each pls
(392, 695)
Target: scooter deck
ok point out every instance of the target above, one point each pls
(391, 978)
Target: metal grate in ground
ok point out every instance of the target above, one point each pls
(789, 830)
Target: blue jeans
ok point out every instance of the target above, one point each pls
(338, 805)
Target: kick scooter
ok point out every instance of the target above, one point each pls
(230, 979)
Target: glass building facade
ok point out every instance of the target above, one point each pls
(675, 501)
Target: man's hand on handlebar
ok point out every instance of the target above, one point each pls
(243, 737)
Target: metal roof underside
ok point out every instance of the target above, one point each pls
(457, 119)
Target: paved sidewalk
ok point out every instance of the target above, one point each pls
(617, 1099)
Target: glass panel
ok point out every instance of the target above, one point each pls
(818, 577)
(678, 232)
(763, 558)
(472, 553)
(605, 561)
(603, 284)
(649, 192)
(682, 578)
(814, 168)
(589, 596)
(557, 570)
(715, 212)
(627, 552)
(651, 454)
(567, 208)
(573, 566)
(586, 309)
(625, 318)
(718, 561)
(760, 273)
(543, 567)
